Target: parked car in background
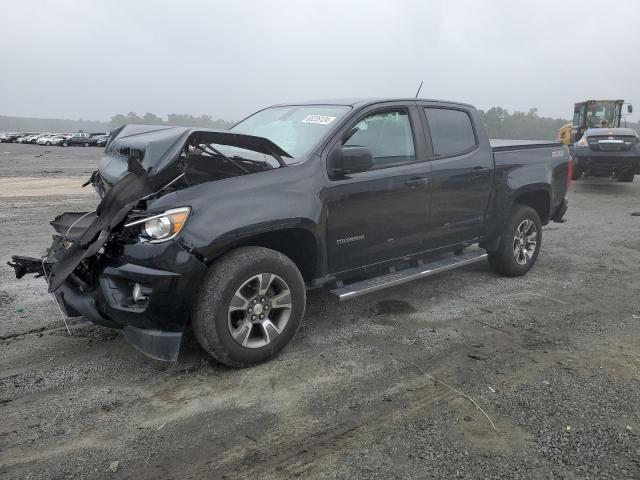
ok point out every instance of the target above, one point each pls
(51, 139)
(42, 139)
(8, 137)
(607, 152)
(32, 138)
(58, 138)
(24, 137)
(101, 140)
(79, 138)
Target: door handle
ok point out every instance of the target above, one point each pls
(415, 182)
(479, 170)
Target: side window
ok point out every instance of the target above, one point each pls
(388, 135)
(451, 131)
(578, 115)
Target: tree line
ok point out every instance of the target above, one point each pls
(179, 119)
(500, 123)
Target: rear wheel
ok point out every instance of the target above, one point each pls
(249, 307)
(86, 144)
(519, 243)
(626, 177)
(65, 144)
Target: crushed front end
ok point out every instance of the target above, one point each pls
(125, 265)
(143, 288)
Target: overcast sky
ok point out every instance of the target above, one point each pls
(93, 59)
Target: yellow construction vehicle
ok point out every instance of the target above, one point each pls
(592, 114)
(598, 146)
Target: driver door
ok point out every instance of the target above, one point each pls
(382, 213)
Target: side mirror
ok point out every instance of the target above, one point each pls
(629, 108)
(345, 160)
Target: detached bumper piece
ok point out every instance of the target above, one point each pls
(153, 343)
(28, 265)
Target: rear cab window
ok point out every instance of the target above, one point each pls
(451, 130)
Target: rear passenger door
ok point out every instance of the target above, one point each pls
(380, 214)
(461, 175)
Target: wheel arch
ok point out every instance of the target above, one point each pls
(298, 243)
(538, 198)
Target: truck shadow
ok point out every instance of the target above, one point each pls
(601, 186)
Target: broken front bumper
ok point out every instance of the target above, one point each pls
(166, 276)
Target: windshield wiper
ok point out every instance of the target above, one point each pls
(251, 160)
(222, 155)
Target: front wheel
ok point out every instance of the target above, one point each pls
(249, 307)
(86, 144)
(519, 243)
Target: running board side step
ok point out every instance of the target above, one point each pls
(363, 287)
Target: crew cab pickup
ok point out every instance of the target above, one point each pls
(225, 230)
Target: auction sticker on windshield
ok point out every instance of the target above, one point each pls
(319, 119)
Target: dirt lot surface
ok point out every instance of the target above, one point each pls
(553, 358)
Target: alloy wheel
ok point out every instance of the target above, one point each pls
(259, 310)
(525, 241)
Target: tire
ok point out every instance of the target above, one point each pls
(65, 144)
(86, 144)
(48, 144)
(516, 252)
(576, 173)
(221, 315)
(626, 177)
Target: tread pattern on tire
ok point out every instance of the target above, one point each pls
(502, 260)
(210, 302)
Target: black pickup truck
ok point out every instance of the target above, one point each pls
(227, 229)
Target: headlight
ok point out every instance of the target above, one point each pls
(163, 226)
(583, 142)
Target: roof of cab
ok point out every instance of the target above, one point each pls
(360, 102)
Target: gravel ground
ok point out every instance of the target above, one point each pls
(553, 358)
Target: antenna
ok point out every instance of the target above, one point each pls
(419, 88)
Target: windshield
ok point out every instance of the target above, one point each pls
(294, 128)
(602, 114)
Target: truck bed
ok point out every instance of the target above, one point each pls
(499, 145)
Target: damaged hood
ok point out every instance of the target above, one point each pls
(158, 146)
(135, 165)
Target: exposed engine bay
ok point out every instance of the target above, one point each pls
(141, 163)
